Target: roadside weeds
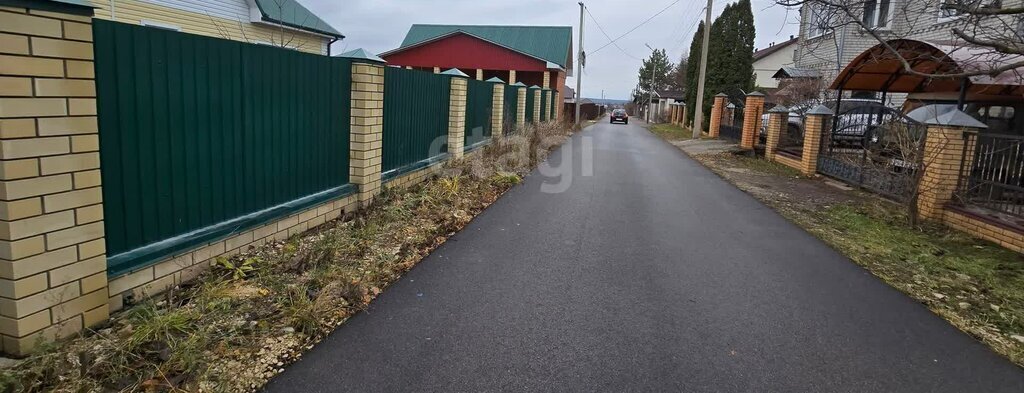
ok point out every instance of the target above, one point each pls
(975, 285)
(249, 316)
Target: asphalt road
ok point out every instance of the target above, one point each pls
(652, 274)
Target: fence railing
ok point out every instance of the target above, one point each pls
(992, 173)
(416, 117)
(197, 131)
(479, 104)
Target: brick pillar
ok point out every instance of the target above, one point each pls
(778, 118)
(546, 109)
(53, 279)
(367, 128)
(457, 117)
(498, 109)
(479, 74)
(512, 77)
(546, 84)
(536, 103)
(683, 121)
(943, 156)
(752, 110)
(715, 122)
(521, 105)
(437, 70)
(817, 124)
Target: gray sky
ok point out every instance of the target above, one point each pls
(380, 25)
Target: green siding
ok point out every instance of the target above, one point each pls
(479, 104)
(511, 106)
(198, 131)
(415, 118)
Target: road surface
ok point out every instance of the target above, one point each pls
(653, 274)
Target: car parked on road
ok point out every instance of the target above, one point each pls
(619, 115)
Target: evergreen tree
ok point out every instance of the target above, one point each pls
(730, 55)
(662, 68)
(678, 76)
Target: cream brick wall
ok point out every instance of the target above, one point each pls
(457, 117)
(521, 105)
(536, 104)
(498, 110)
(52, 254)
(367, 128)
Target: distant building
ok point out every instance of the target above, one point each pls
(660, 102)
(768, 61)
(533, 55)
(284, 23)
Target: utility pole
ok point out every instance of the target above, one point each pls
(650, 93)
(579, 69)
(698, 114)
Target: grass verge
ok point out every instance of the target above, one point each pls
(974, 284)
(242, 322)
(671, 132)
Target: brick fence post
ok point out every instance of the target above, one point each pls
(535, 90)
(367, 127)
(752, 110)
(943, 156)
(715, 122)
(520, 103)
(457, 113)
(817, 125)
(778, 117)
(53, 279)
(497, 108)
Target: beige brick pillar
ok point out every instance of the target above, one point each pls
(752, 111)
(683, 121)
(497, 108)
(479, 74)
(778, 117)
(367, 128)
(457, 117)
(546, 109)
(943, 157)
(521, 104)
(546, 82)
(535, 90)
(715, 122)
(53, 280)
(817, 125)
(512, 77)
(437, 70)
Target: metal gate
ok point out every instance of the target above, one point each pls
(874, 147)
(731, 124)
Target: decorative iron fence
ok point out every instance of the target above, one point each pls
(415, 118)
(511, 108)
(731, 125)
(202, 136)
(479, 104)
(992, 173)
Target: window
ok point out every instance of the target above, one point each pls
(876, 14)
(819, 20)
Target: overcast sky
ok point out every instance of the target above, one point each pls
(380, 25)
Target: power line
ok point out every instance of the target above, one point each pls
(637, 26)
(610, 41)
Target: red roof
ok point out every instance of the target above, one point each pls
(462, 50)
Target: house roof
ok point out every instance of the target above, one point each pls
(673, 94)
(758, 55)
(794, 72)
(549, 43)
(292, 14)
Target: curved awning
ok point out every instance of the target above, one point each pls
(879, 69)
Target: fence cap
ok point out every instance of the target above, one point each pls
(755, 93)
(455, 72)
(779, 109)
(495, 80)
(820, 110)
(362, 54)
(955, 118)
(721, 95)
(519, 84)
(534, 87)
(731, 106)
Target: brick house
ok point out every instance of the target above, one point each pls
(533, 55)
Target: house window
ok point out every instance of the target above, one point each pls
(877, 14)
(819, 20)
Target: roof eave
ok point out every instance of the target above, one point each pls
(443, 36)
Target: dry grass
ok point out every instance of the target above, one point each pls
(238, 325)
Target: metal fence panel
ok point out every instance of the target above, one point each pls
(544, 105)
(196, 131)
(511, 108)
(529, 105)
(479, 104)
(415, 117)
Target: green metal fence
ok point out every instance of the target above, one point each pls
(479, 104)
(529, 105)
(545, 106)
(201, 137)
(554, 105)
(511, 107)
(415, 119)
